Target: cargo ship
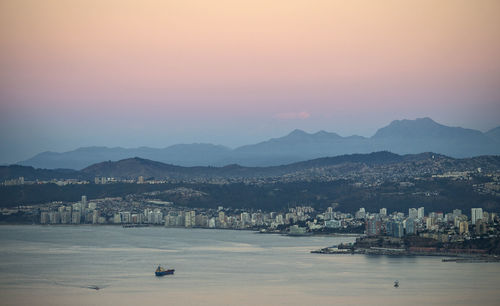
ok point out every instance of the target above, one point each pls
(160, 271)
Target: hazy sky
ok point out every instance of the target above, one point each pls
(154, 73)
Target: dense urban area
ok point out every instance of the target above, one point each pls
(416, 229)
(426, 203)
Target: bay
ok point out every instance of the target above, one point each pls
(55, 265)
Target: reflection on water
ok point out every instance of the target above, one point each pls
(61, 265)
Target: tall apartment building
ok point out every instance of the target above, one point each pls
(476, 214)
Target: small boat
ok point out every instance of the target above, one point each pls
(396, 284)
(160, 271)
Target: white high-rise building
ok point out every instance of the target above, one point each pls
(361, 213)
(245, 219)
(383, 211)
(413, 213)
(189, 218)
(429, 223)
(83, 205)
(76, 217)
(420, 213)
(476, 214)
(222, 217)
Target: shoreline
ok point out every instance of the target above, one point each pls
(455, 257)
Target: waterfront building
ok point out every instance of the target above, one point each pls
(88, 218)
(180, 220)
(245, 219)
(373, 226)
(66, 216)
(395, 229)
(187, 220)
(222, 217)
(290, 218)
(279, 219)
(44, 217)
(201, 220)
(463, 227)
(481, 227)
(421, 213)
(429, 223)
(158, 217)
(486, 216)
(383, 212)
(76, 217)
(398, 229)
(54, 217)
(413, 213)
(476, 214)
(411, 226)
(361, 213)
(190, 219)
(333, 223)
(95, 217)
(459, 219)
(77, 206)
(169, 220)
(126, 217)
(257, 219)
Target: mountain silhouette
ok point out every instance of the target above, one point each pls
(400, 137)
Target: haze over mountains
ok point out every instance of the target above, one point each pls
(400, 136)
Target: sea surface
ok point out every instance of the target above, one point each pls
(55, 265)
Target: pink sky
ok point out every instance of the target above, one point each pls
(117, 72)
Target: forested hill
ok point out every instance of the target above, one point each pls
(380, 164)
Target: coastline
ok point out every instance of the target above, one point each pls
(455, 256)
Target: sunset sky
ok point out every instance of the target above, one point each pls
(154, 73)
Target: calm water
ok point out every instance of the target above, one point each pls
(53, 265)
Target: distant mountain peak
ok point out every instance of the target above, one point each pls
(416, 122)
(420, 127)
(298, 132)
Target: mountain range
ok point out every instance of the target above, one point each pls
(400, 136)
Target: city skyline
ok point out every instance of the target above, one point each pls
(130, 74)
